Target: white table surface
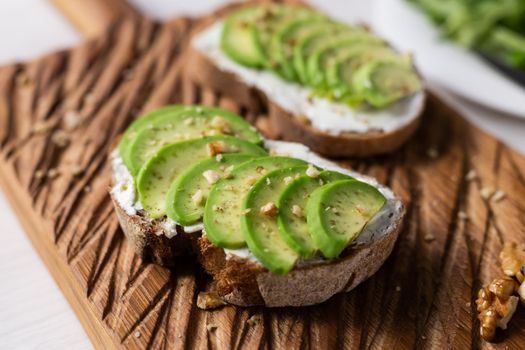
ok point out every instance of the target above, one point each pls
(33, 312)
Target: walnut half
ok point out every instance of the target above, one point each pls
(496, 305)
(513, 261)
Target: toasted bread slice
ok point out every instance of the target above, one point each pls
(210, 68)
(241, 280)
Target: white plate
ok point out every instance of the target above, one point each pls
(444, 63)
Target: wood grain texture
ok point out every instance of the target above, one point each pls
(423, 297)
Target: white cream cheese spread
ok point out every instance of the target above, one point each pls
(328, 116)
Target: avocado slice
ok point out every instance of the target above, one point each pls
(190, 123)
(340, 71)
(142, 123)
(285, 38)
(156, 176)
(308, 41)
(239, 37)
(187, 194)
(259, 224)
(383, 82)
(224, 204)
(292, 210)
(320, 58)
(337, 213)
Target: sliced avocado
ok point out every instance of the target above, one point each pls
(340, 71)
(143, 122)
(307, 42)
(156, 176)
(320, 58)
(259, 224)
(285, 38)
(384, 82)
(190, 123)
(292, 210)
(187, 194)
(224, 205)
(239, 37)
(337, 213)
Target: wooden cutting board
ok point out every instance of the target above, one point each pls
(59, 118)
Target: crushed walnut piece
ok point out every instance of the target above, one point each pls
(220, 124)
(269, 209)
(41, 127)
(209, 300)
(60, 138)
(198, 197)
(297, 211)
(72, 120)
(513, 260)
(250, 180)
(287, 180)
(312, 171)
(211, 327)
(215, 147)
(487, 192)
(254, 319)
(496, 305)
(471, 175)
(211, 176)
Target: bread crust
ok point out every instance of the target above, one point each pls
(242, 282)
(295, 127)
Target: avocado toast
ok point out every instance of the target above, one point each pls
(266, 219)
(339, 89)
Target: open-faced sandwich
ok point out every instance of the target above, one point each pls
(339, 89)
(273, 223)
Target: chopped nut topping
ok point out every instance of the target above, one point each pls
(498, 195)
(228, 171)
(211, 176)
(211, 327)
(297, 211)
(471, 175)
(521, 293)
(53, 173)
(220, 124)
(429, 237)
(250, 180)
(76, 170)
(39, 174)
(41, 127)
(72, 119)
(269, 209)
(312, 171)
(287, 180)
(513, 260)
(215, 207)
(462, 215)
(487, 192)
(432, 153)
(216, 147)
(209, 300)
(496, 305)
(60, 138)
(198, 197)
(260, 169)
(211, 132)
(254, 319)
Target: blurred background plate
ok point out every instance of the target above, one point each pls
(444, 63)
